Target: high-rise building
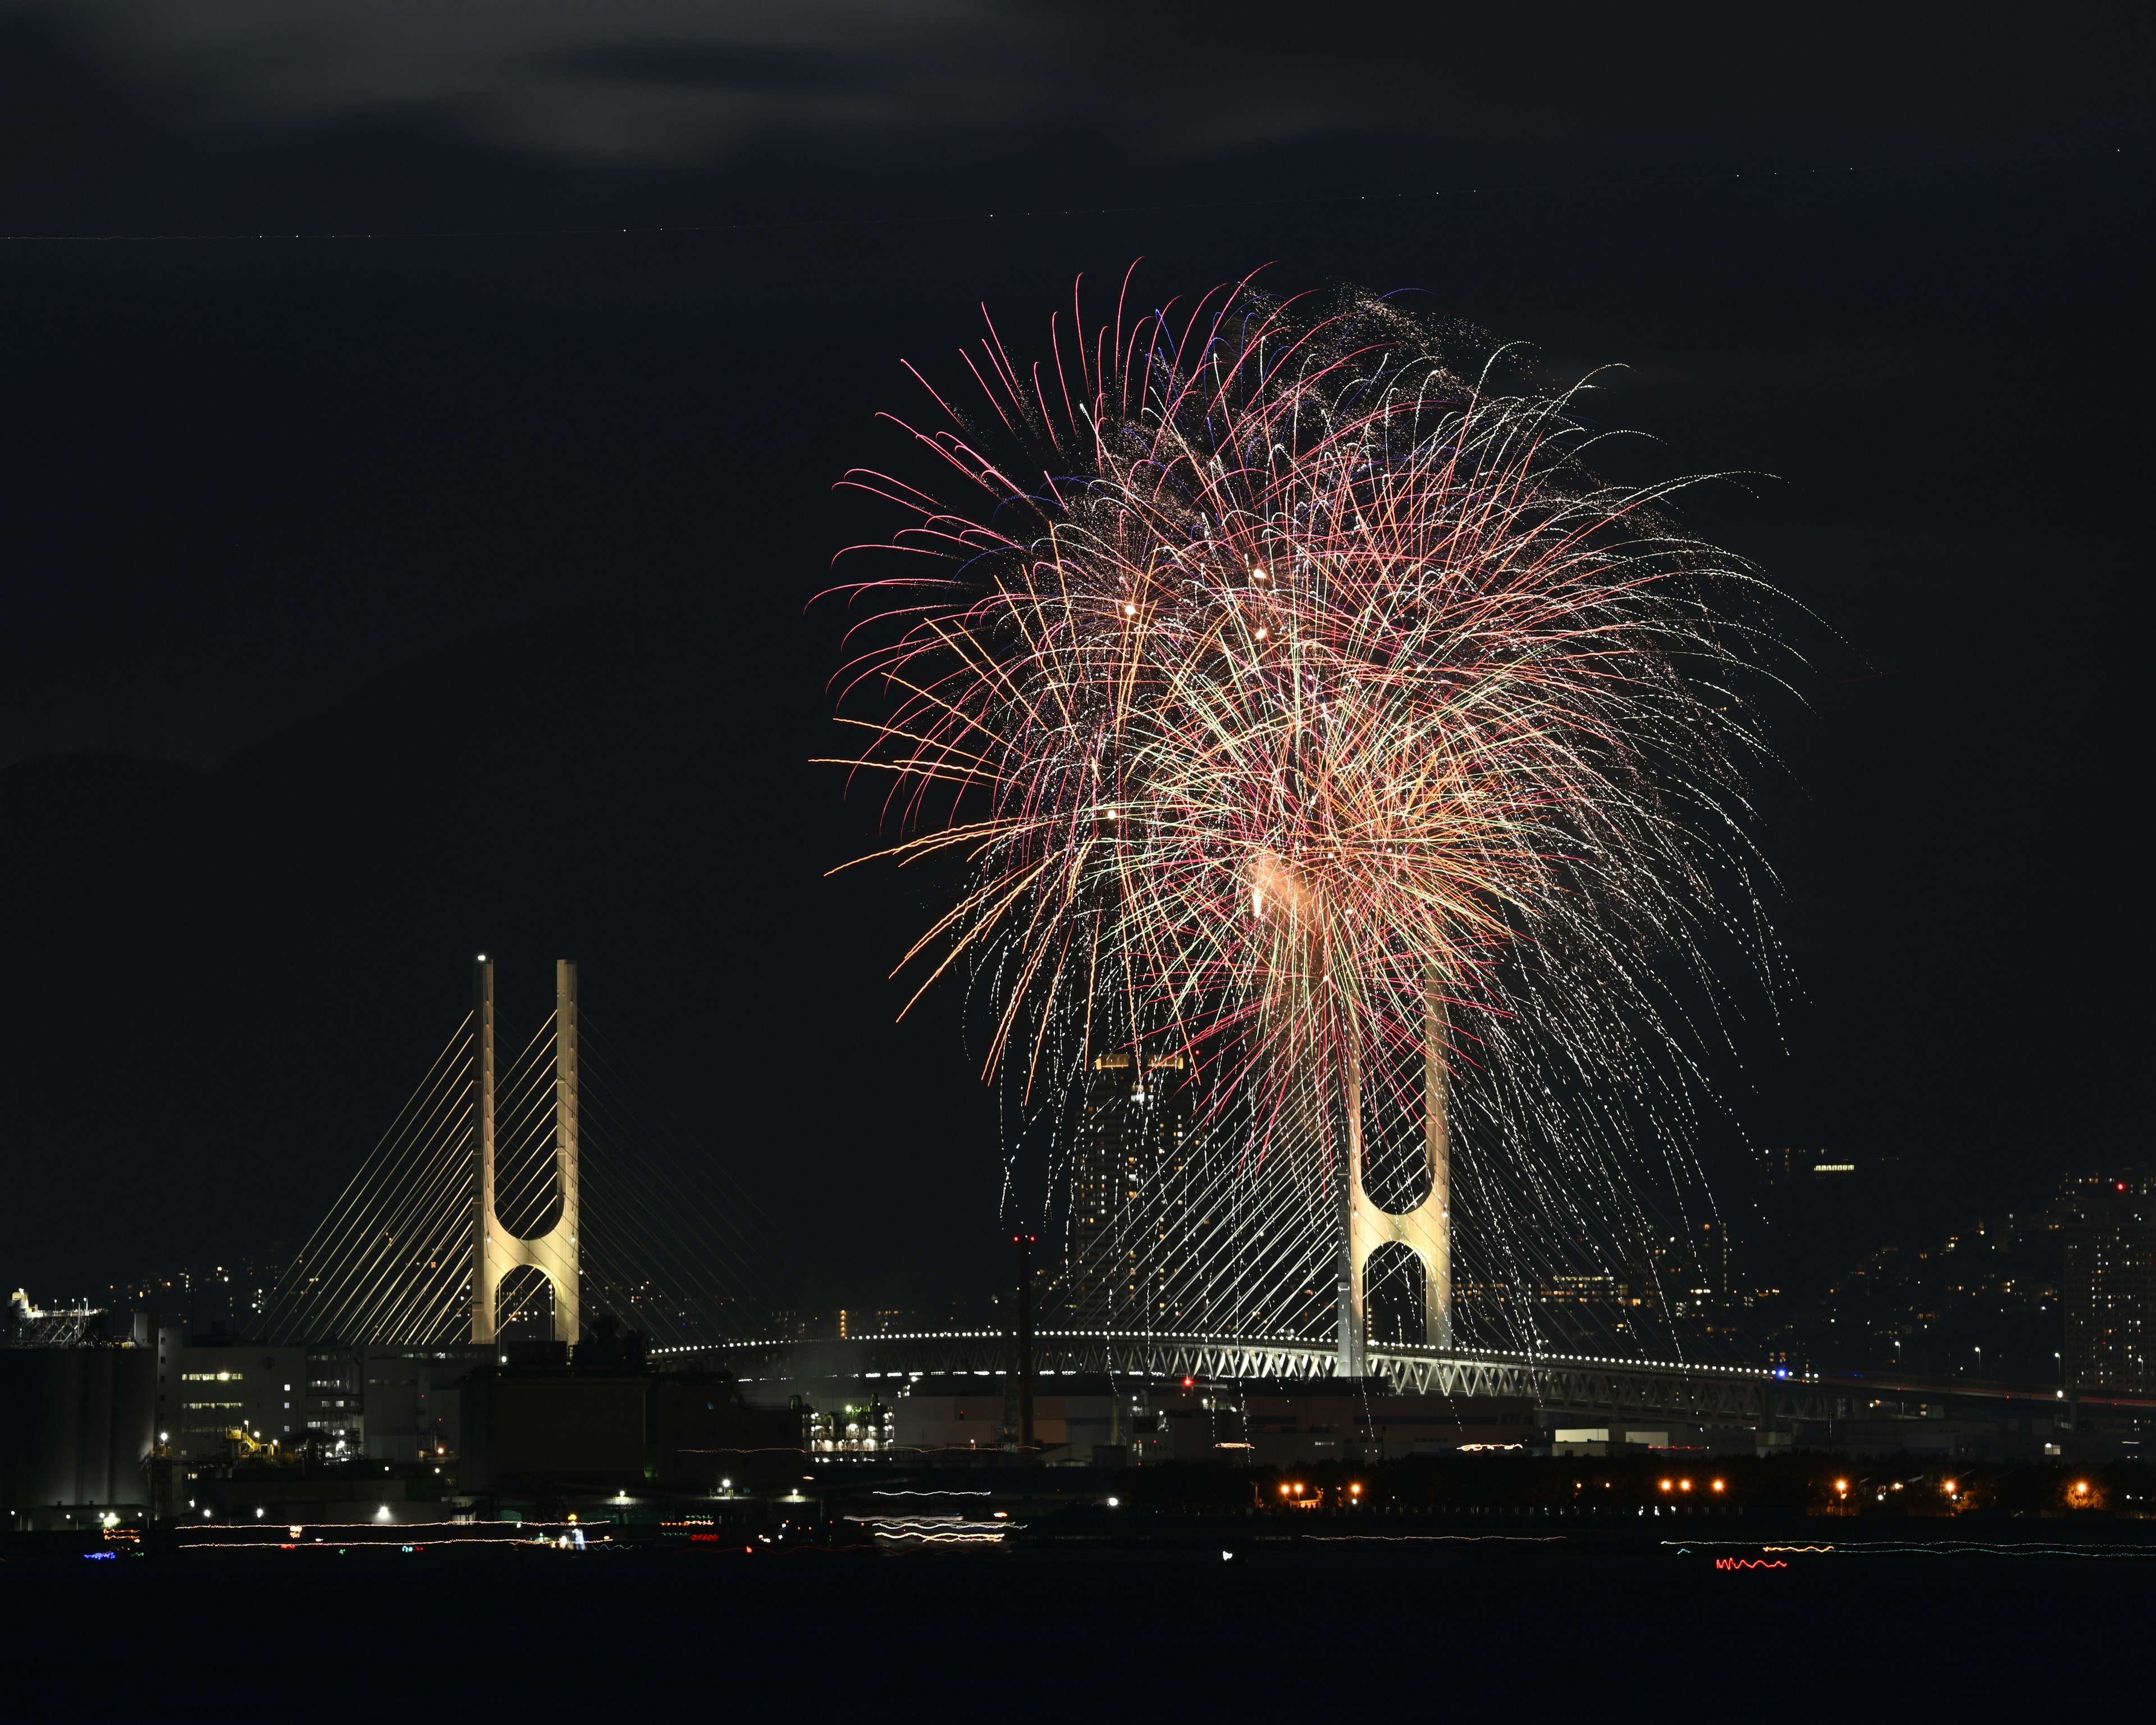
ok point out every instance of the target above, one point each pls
(2109, 1288)
(1130, 1193)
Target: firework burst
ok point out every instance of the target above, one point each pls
(1300, 700)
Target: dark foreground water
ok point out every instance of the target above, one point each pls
(1068, 1634)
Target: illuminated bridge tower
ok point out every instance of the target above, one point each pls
(1426, 1230)
(494, 1250)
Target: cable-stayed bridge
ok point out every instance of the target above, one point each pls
(522, 1189)
(518, 1195)
(526, 1187)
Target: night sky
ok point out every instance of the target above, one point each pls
(438, 580)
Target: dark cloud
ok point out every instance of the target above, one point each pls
(1102, 90)
(783, 70)
(647, 81)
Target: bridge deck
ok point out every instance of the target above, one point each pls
(1692, 1392)
(1619, 1389)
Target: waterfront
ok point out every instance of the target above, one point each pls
(1479, 1625)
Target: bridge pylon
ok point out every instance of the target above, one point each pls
(1426, 1230)
(495, 1251)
